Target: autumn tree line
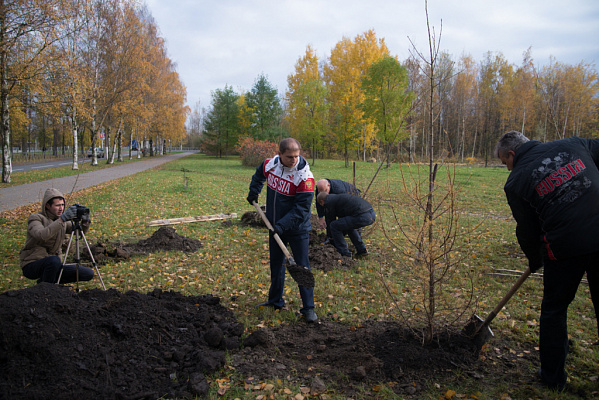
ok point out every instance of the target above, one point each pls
(362, 103)
(72, 70)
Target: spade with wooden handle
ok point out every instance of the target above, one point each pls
(302, 275)
(479, 329)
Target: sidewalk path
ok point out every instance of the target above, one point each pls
(21, 195)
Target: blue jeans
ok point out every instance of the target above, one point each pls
(560, 283)
(299, 244)
(349, 225)
(48, 269)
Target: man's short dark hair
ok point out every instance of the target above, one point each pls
(511, 140)
(322, 196)
(51, 201)
(289, 144)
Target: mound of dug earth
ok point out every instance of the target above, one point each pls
(355, 360)
(165, 238)
(323, 256)
(55, 344)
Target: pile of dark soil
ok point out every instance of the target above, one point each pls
(350, 358)
(323, 256)
(354, 360)
(164, 239)
(251, 218)
(110, 345)
(58, 344)
(97, 344)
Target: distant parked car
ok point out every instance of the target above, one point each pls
(99, 152)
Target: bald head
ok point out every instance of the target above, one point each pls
(323, 185)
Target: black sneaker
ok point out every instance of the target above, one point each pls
(361, 254)
(310, 316)
(267, 304)
(559, 387)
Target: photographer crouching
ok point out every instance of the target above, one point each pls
(46, 233)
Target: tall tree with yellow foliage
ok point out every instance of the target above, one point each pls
(463, 111)
(307, 105)
(348, 62)
(27, 29)
(65, 85)
(569, 97)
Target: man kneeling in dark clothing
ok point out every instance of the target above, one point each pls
(46, 233)
(348, 213)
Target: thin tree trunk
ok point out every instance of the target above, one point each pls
(5, 123)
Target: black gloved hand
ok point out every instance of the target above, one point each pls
(252, 198)
(271, 232)
(69, 213)
(535, 266)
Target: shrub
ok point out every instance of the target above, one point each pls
(253, 152)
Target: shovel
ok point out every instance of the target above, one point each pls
(302, 275)
(478, 329)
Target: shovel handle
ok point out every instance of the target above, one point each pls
(507, 297)
(277, 238)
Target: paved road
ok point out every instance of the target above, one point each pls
(46, 165)
(59, 163)
(17, 196)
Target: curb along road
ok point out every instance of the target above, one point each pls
(22, 195)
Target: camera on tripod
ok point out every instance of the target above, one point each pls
(83, 213)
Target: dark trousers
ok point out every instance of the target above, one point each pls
(349, 225)
(299, 244)
(48, 269)
(560, 281)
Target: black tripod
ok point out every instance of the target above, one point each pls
(78, 233)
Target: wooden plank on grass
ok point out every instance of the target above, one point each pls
(187, 220)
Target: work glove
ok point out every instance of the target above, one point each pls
(252, 198)
(535, 266)
(69, 213)
(271, 232)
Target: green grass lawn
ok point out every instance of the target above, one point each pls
(233, 262)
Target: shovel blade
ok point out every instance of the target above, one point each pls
(300, 274)
(478, 331)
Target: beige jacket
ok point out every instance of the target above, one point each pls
(45, 233)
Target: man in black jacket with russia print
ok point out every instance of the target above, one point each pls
(553, 192)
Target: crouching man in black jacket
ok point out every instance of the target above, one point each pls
(553, 191)
(348, 213)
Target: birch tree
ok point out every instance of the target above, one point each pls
(22, 21)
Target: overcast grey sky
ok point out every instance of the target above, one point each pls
(231, 42)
